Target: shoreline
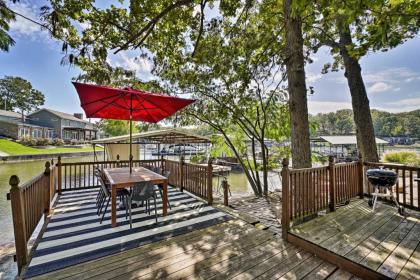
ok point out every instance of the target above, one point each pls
(35, 157)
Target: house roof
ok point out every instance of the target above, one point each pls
(10, 114)
(63, 115)
(346, 140)
(164, 136)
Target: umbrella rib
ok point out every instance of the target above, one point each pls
(101, 99)
(156, 107)
(141, 104)
(108, 104)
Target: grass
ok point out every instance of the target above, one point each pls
(13, 148)
(409, 158)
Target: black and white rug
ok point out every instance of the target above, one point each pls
(74, 234)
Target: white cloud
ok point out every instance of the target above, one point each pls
(315, 107)
(23, 27)
(141, 66)
(402, 105)
(311, 77)
(379, 87)
(397, 89)
(409, 79)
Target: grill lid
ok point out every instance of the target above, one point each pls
(381, 177)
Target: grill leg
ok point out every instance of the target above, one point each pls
(375, 198)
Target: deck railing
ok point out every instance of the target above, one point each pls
(307, 191)
(407, 189)
(30, 202)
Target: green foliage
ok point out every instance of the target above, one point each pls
(199, 158)
(6, 16)
(409, 158)
(116, 127)
(385, 123)
(19, 94)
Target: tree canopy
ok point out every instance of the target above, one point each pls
(6, 16)
(18, 94)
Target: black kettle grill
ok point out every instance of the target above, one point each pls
(383, 179)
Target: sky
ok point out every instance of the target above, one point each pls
(392, 78)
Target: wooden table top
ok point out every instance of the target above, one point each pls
(122, 177)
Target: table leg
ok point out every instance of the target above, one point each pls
(165, 199)
(114, 206)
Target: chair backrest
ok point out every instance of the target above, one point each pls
(103, 186)
(142, 191)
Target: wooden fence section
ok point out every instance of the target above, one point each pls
(175, 172)
(197, 179)
(407, 190)
(30, 202)
(307, 191)
(346, 181)
(80, 175)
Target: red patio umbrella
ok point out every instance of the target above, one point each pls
(127, 104)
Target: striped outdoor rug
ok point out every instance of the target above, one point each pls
(74, 234)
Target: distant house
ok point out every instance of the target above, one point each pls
(47, 123)
(13, 125)
(66, 126)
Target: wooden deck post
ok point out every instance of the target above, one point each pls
(331, 164)
(59, 179)
(210, 182)
(162, 163)
(225, 186)
(285, 212)
(360, 176)
(47, 189)
(19, 223)
(181, 173)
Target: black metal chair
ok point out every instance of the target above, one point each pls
(159, 188)
(142, 191)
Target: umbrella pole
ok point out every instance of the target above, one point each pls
(131, 133)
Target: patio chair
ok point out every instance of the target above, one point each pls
(159, 188)
(123, 194)
(142, 191)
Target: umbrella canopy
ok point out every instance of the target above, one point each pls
(113, 103)
(127, 104)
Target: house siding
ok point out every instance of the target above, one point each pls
(46, 119)
(10, 130)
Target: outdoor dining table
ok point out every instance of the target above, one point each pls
(122, 178)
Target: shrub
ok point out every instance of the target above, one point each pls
(28, 141)
(409, 158)
(43, 142)
(58, 142)
(74, 142)
(197, 158)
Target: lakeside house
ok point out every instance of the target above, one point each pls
(46, 123)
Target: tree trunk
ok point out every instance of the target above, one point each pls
(298, 107)
(361, 111)
(265, 166)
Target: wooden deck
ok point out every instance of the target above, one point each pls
(231, 250)
(382, 241)
(234, 249)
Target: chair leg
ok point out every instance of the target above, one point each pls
(129, 209)
(106, 207)
(101, 206)
(154, 199)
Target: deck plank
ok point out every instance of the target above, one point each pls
(397, 260)
(340, 274)
(323, 271)
(378, 255)
(303, 269)
(411, 269)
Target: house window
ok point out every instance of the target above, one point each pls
(36, 133)
(24, 132)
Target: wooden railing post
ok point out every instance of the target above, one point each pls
(360, 177)
(332, 183)
(47, 189)
(285, 212)
(225, 186)
(59, 179)
(19, 223)
(162, 164)
(210, 182)
(181, 174)
(118, 160)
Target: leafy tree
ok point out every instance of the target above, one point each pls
(17, 93)
(116, 127)
(353, 29)
(6, 16)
